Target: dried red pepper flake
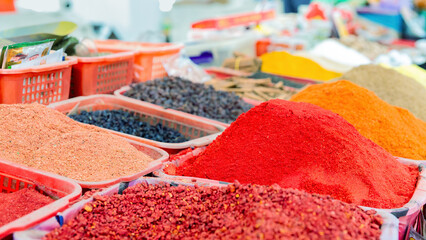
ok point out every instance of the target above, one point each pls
(20, 203)
(260, 212)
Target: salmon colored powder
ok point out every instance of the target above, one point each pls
(43, 138)
(303, 146)
(394, 128)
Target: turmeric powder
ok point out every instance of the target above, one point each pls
(393, 128)
(284, 63)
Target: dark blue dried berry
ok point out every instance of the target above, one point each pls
(129, 123)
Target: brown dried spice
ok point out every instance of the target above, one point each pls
(233, 212)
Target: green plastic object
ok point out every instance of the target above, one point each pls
(56, 30)
(68, 44)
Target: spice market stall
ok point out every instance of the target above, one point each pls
(169, 122)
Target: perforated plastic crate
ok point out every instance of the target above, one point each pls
(103, 74)
(149, 57)
(44, 84)
(199, 132)
(14, 178)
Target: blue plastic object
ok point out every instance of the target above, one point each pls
(385, 17)
(204, 57)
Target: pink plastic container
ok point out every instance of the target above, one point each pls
(199, 132)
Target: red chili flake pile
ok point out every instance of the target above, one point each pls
(43, 138)
(232, 212)
(302, 146)
(20, 203)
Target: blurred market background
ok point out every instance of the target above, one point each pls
(297, 26)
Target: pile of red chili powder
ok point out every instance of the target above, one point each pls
(233, 212)
(20, 203)
(303, 146)
(43, 138)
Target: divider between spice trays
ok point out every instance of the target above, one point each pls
(46, 182)
(389, 226)
(120, 93)
(406, 214)
(183, 123)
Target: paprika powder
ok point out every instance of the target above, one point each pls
(303, 146)
(20, 203)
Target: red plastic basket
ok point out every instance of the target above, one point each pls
(119, 93)
(103, 74)
(44, 84)
(14, 177)
(148, 56)
(199, 132)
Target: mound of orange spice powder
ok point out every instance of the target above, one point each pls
(393, 128)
